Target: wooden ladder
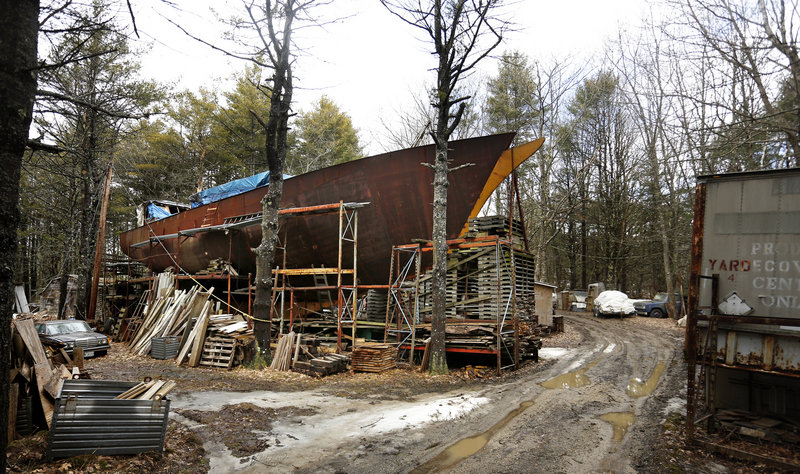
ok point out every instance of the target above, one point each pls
(208, 219)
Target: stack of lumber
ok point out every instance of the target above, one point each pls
(150, 390)
(320, 366)
(226, 337)
(285, 352)
(169, 315)
(492, 225)
(373, 357)
(472, 336)
(34, 373)
(376, 306)
(219, 266)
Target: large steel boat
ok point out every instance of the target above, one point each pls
(397, 185)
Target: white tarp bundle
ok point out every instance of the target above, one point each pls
(613, 302)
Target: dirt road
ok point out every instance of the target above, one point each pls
(595, 407)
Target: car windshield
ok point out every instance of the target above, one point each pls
(660, 298)
(64, 328)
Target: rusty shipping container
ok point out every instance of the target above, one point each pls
(743, 329)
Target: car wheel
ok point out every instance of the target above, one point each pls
(100, 353)
(656, 313)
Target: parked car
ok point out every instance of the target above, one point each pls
(657, 307)
(72, 333)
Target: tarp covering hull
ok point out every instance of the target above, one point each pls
(396, 184)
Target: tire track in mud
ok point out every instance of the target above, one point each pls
(578, 420)
(591, 419)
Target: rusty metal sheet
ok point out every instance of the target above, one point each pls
(752, 240)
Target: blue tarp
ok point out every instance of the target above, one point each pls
(155, 212)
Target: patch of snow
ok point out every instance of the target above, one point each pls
(552, 352)
(610, 348)
(675, 405)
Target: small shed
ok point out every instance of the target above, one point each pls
(543, 297)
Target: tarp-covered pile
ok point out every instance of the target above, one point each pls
(613, 302)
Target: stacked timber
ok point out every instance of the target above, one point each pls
(373, 357)
(218, 266)
(326, 364)
(150, 390)
(284, 352)
(376, 306)
(493, 225)
(169, 315)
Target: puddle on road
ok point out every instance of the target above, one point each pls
(638, 388)
(620, 421)
(468, 446)
(574, 379)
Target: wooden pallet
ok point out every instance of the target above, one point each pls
(218, 352)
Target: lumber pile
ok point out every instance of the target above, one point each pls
(149, 390)
(321, 366)
(35, 381)
(300, 353)
(169, 315)
(185, 316)
(373, 357)
(284, 352)
(219, 266)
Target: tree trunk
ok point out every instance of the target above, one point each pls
(19, 26)
(438, 354)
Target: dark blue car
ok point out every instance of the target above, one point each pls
(657, 307)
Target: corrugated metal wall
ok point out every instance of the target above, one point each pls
(88, 420)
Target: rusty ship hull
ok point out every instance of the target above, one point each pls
(396, 184)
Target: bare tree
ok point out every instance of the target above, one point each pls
(463, 32)
(759, 42)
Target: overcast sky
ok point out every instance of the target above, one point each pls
(369, 63)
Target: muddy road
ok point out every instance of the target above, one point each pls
(594, 407)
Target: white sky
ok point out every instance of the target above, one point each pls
(369, 63)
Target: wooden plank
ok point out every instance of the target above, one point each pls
(152, 390)
(31, 339)
(13, 402)
(135, 391)
(164, 390)
(77, 357)
(200, 335)
(43, 372)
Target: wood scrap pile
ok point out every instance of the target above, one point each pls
(322, 365)
(301, 353)
(170, 315)
(149, 390)
(752, 425)
(35, 381)
(373, 357)
(218, 266)
(211, 340)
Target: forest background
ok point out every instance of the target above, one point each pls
(703, 87)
